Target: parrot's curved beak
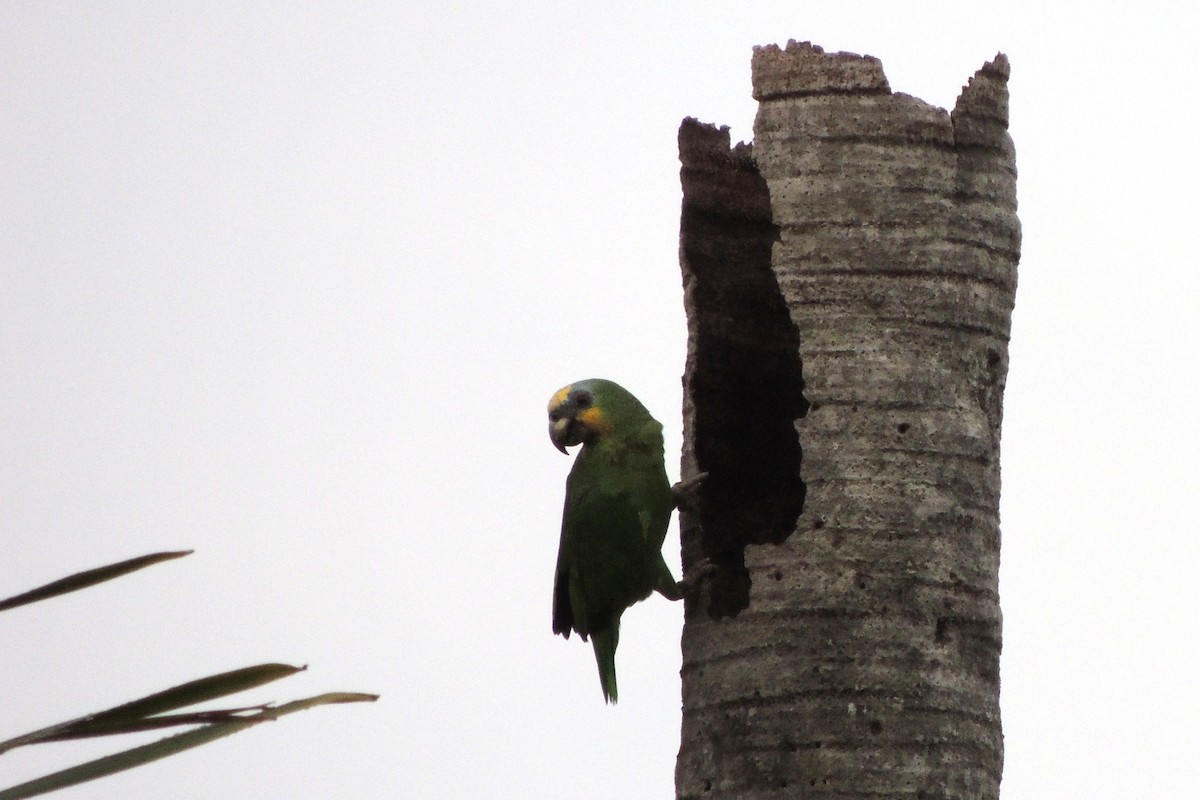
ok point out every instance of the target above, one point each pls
(566, 432)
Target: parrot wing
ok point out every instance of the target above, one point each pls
(607, 560)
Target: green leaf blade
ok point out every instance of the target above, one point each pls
(144, 754)
(91, 577)
(135, 716)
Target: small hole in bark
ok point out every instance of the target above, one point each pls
(993, 358)
(939, 632)
(876, 727)
(708, 786)
(902, 427)
(777, 575)
(818, 523)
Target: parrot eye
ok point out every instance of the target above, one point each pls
(583, 400)
(554, 415)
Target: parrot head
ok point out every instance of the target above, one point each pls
(587, 411)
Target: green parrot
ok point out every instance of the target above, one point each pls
(618, 506)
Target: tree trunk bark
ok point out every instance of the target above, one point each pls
(874, 238)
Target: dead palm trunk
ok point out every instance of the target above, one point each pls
(854, 650)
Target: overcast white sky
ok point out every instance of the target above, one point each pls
(292, 285)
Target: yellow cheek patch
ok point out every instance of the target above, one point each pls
(594, 418)
(558, 399)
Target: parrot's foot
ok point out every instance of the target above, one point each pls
(687, 493)
(694, 581)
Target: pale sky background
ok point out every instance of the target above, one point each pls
(291, 286)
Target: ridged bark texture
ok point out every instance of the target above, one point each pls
(866, 664)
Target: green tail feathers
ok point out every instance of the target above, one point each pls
(604, 642)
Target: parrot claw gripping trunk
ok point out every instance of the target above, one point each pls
(604, 643)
